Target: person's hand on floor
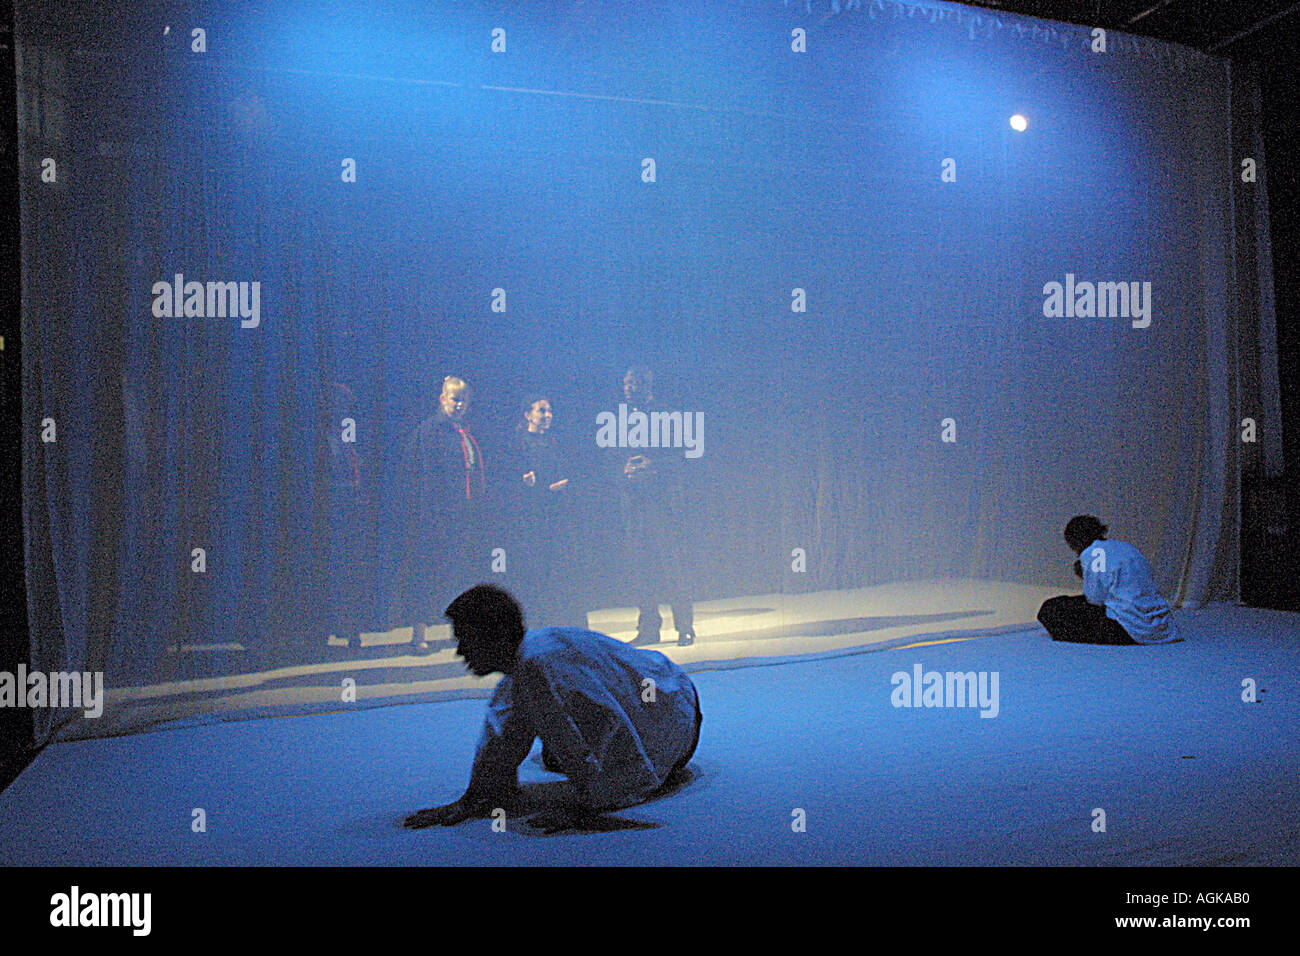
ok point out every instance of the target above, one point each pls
(445, 816)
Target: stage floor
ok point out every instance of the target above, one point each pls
(733, 632)
(1157, 737)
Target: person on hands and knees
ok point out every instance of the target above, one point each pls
(620, 722)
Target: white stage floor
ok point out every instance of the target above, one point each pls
(1158, 738)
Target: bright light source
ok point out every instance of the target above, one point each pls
(1019, 123)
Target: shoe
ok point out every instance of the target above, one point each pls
(643, 638)
(686, 638)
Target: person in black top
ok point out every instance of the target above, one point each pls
(541, 475)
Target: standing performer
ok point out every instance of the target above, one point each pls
(444, 548)
(1120, 603)
(650, 500)
(540, 475)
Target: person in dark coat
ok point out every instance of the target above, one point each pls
(444, 548)
(650, 501)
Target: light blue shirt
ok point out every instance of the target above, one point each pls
(617, 718)
(1116, 575)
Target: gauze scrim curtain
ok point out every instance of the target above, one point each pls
(918, 339)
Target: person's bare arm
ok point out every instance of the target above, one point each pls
(471, 805)
(507, 737)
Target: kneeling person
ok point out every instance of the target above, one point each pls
(1120, 603)
(618, 721)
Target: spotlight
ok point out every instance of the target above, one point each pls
(1019, 123)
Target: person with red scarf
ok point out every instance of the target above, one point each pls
(444, 548)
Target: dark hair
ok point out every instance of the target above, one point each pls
(529, 400)
(491, 609)
(1081, 530)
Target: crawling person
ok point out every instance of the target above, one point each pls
(620, 722)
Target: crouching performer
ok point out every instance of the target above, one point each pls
(620, 722)
(1120, 603)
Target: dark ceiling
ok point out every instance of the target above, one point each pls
(1235, 28)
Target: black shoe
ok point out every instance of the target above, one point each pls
(686, 638)
(643, 638)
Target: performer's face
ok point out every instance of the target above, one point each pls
(635, 387)
(539, 416)
(455, 401)
(478, 649)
